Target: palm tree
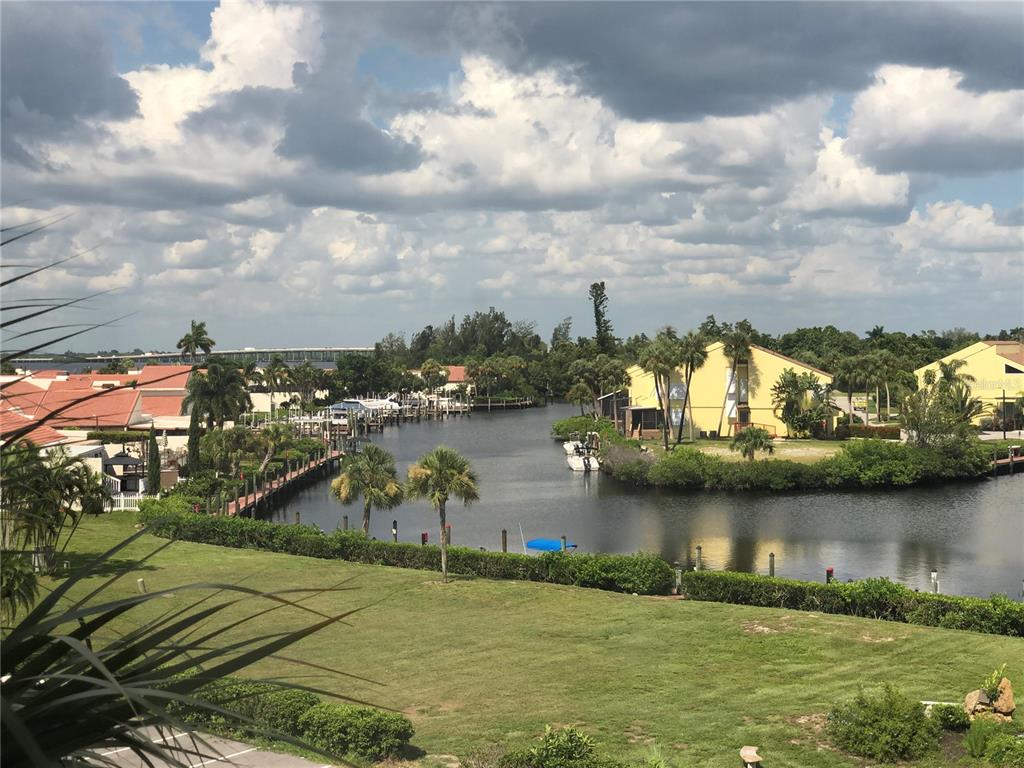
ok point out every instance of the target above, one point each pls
(872, 370)
(276, 436)
(196, 339)
(276, 376)
(889, 368)
(848, 372)
(693, 353)
(219, 394)
(750, 440)
(963, 406)
(439, 475)
(372, 475)
(736, 348)
(580, 394)
(660, 357)
(949, 373)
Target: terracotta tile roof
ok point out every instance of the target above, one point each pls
(93, 381)
(42, 435)
(22, 394)
(456, 374)
(48, 374)
(161, 403)
(164, 376)
(117, 408)
(1011, 350)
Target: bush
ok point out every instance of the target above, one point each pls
(982, 731)
(951, 717)
(1005, 749)
(870, 598)
(341, 729)
(564, 748)
(562, 428)
(117, 436)
(641, 573)
(879, 432)
(267, 705)
(887, 726)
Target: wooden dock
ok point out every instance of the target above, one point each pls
(1008, 466)
(262, 492)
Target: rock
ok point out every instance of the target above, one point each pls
(1004, 703)
(990, 715)
(976, 701)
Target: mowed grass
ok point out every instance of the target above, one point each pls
(475, 662)
(805, 451)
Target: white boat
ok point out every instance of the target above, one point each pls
(573, 445)
(583, 462)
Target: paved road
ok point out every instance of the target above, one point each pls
(221, 753)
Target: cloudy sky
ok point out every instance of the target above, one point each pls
(322, 174)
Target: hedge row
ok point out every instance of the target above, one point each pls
(641, 573)
(337, 729)
(870, 598)
(117, 436)
(862, 464)
(880, 432)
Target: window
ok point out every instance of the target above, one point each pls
(1011, 369)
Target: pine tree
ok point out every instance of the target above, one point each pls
(152, 465)
(603, 334)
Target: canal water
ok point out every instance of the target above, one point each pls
(972, 534)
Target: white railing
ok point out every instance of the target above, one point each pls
(125, 501)
(113, 484)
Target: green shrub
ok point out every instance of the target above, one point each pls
(341, 729)
(268, 705)
(991, 684)
(563, 748)
(976, 741)
(562, 428)
(879, 432)
(951, 717)
(871, 598)
(641, 573)
(117, 436)
(887, 726)
(1005, 749)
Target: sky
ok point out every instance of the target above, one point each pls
(322, 174)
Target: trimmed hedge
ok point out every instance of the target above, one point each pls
(368, 733)
(117, 436)
(870, 598)
(861, 464)
(337, 729)
(642, 573)
(879, 432)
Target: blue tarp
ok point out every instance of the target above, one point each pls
(548, 545)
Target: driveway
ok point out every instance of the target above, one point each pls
(222, 752)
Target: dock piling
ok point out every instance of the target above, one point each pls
(504, 540)
(771, 563)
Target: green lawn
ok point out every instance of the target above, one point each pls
(479, 662)
(802, 450)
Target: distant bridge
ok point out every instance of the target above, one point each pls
(259, 354)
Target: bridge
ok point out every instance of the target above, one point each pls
(259, 354)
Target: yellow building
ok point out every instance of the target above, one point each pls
(749, 398)
(997, 368)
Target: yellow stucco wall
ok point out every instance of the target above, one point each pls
(709, 385)
(989, 369)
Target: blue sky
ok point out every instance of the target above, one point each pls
(350, 169)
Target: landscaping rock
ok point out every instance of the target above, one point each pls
(1004, 703)
(976, 701)
(990, 715)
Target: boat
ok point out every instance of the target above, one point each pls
(573, 444)
(548, 545)
(584, 461)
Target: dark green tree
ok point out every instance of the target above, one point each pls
(603, 334)
(194, 431)
(152, 464)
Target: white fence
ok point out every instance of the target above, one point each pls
(125, 501)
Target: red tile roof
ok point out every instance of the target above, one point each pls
(164, 376)
(22, 394)
(1011, 350)
(456, 374)
(42, 435)
(162, 404)
(117, 408)
(93, 380)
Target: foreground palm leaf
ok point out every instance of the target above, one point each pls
(72, 687)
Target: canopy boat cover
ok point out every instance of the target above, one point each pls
(548, 545)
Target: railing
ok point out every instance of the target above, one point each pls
(121, 501)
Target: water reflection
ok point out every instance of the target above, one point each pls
(973, 534)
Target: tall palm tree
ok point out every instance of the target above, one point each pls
(949, 373)
(660, 357)
(372, 475)
(439, 475)
(219, 394)
(196, 339)
(750, 440)
(276, 376)
(693, 353)
(848, 372)
(872, 370)
(889, 368)
(580, 394)
(276, 437)
(736, 348)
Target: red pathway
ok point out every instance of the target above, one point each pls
(242, 503)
